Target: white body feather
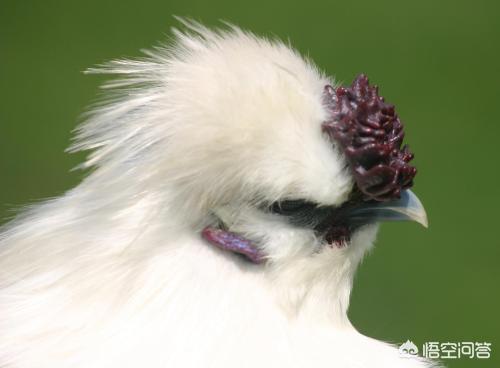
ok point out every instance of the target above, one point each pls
(115, 274)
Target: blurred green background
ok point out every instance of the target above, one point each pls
(437, 61)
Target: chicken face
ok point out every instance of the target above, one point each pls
(366, 132)
(370, 135)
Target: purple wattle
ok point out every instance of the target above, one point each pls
(229, 241)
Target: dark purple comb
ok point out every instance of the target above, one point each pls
(370, 134)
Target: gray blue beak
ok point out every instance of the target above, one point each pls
(407, 208)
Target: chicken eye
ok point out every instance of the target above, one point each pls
(290, 207)
(300, 212)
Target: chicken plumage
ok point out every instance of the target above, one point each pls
(208, 132)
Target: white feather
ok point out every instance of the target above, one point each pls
(115, 274)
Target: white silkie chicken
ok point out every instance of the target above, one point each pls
(234, 190)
